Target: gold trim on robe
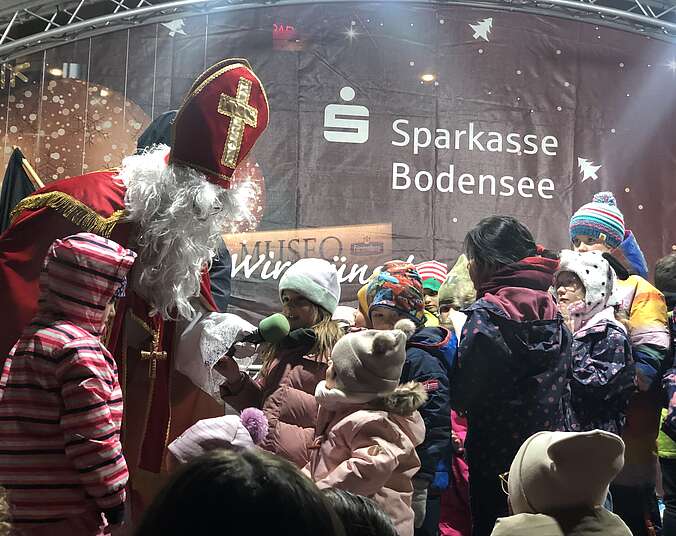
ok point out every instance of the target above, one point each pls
(73, 210)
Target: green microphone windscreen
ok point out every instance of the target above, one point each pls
(274, 328)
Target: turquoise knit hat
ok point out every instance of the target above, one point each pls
(600, 219)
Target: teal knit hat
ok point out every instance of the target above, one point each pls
(600, 219)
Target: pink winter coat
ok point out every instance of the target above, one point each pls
(370, 451)
(285, 393)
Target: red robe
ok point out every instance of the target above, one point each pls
(159, 406)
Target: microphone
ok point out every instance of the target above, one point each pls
(271, 329)
(302, 337)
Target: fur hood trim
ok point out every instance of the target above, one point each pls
(404, 400)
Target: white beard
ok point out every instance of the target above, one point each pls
(179, 216)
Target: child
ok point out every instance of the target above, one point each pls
(557, 484)
(603, 370)
(456, 294)
(433, 274)
(359, 515)
(665, 281)
(455, 517)
(249, 492)
(60, 398)
(284, 389)
(513, 358)
(231, 432)
(345, 317)
(368, 424)
(599, 226)
(395, 293)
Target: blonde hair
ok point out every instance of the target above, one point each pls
(327, 331)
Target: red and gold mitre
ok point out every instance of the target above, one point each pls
(220, 120)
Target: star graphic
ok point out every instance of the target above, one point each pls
(482, 28)
(351, 33)
(588, 169)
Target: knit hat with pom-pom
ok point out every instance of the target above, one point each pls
(370, 362)
(256, 423)
(600, 219)
(230, 432)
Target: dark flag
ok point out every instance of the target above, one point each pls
(20, 181)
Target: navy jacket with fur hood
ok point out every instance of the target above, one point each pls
(430, 353)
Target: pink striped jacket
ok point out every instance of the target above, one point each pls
(60, 399)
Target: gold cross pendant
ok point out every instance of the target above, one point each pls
(154, 355)
(241, 115)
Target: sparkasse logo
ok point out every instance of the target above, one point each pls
(341, 123)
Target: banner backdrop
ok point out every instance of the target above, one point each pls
(394, 127)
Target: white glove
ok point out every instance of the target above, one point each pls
(203, 342)
(220, 332)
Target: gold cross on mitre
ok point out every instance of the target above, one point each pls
(15, 72)
(241, 115)
(154, 355)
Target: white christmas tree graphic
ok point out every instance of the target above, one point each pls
(482, 28)
(174, 27)
(588, 169)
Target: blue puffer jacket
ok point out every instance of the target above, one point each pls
(430, 355)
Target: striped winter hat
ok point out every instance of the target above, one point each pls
(600, 219)
(432, 273)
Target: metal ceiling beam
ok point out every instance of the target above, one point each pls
(8, 27)
(80, 19)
